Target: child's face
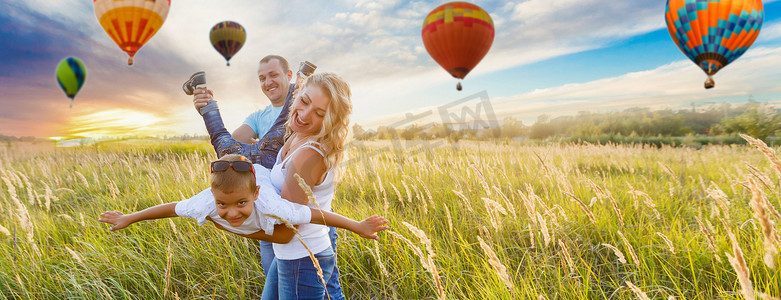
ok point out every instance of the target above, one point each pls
(235, 207)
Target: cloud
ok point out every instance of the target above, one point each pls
(675, 85)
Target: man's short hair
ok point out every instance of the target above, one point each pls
(282, 61)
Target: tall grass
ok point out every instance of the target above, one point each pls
(470, 221)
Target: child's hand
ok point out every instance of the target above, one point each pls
(115, 218)
(368, 227)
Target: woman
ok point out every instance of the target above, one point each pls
(317, 131)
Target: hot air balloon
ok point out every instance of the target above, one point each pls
(71, 75)
(227, 37)
(714, 33)
(457, 35)
(131, 23)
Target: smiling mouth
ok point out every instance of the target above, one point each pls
(299, 121)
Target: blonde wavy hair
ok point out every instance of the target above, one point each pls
(335, 133)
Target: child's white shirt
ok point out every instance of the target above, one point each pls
(269, 202)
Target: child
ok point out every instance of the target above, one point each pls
(235, 185)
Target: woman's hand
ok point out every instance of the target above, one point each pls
(116, 218)
(201, 97)
(368, 227)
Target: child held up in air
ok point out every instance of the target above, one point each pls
(243, 201)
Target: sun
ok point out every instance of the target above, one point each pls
(115, 123)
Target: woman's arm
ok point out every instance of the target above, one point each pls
(282, 234)
(120, 220)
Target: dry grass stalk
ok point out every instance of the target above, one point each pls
(483, 182)
(493, 208)
(600, 193)
(398, 194)
(4, 231)
(376, 254)
(544, 229)
(530, 207)
(168, 259)
(615, 208)
(766, 296)
(315, 262)
(667, 241)
(711, 244)
(764, 179)
(531, 236)
(767, 151)
(721, 198)
(425, 188)
(617, 252)
(584, 207)
(430, 257)
(496, 263)
(77, 257)
(630, 249)
(561, 212)
(670, 172)
(567, 257)
(431, 268)
(647, 201)
(464, 199)
(409, 196)
(510, 206)
(82, 178)
(640, 294)
(739, 264)
(771, 240)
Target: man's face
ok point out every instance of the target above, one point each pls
(235, 207)
(274, 80)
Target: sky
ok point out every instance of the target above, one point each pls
(549, 57)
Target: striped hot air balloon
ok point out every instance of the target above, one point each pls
(714, 33)
(457, 35)
(71, 75)
(131, 23)
(227, 37)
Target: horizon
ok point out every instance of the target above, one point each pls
(626, 59)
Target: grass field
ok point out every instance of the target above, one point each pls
(472, 221)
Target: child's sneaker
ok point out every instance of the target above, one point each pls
(189, 86)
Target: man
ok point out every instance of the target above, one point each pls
(274, 74)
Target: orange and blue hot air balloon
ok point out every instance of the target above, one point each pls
(227, 37)
(71, 75)
(457, 35)
(714, 33)
(131, 23)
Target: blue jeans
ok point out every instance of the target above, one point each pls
(298, 279)
(334, 286)
(263, 152)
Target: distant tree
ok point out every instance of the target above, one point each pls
(757, 121)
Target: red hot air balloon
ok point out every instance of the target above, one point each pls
(457, 35)
(131, 23)
(713, 33)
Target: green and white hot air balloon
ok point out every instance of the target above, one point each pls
(71, 75)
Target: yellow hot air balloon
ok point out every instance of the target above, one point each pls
(131, 23)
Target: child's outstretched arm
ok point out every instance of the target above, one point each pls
(366, 229)
(120, 220)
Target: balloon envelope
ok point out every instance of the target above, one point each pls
(71, 75)
(227, 37)
(714, 33)
(131, 23)
(457, 35)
